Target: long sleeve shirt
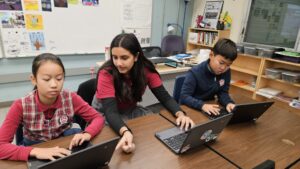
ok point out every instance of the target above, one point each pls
(201, 84)
(111, 106)
(15, 116)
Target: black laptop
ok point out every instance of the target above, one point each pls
(180, 141)
(245, 112)
(89, 157)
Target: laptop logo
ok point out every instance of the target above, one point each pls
(208, 136)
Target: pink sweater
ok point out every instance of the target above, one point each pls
(15, 116)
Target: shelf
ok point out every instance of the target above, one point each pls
(282, 81)
(199, 44)
(208, 30)
(283, 62)
(206, 38)
(246, 87)
(252, 56)
(240, 69)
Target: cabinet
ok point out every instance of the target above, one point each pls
(248, 76)
(204, 38)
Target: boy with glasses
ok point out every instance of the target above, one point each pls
(209, 79)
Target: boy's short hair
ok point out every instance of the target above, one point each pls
(226, 48)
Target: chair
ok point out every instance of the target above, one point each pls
(86, 91)
(152, 51)
(177, 87)
(171, 45)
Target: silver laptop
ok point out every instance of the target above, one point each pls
(180, 141)
(89, 157)
(245, 112)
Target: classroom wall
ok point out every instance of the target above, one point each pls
(14, 72)
(237, 10)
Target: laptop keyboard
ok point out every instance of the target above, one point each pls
(175, 142)
(222, 112)
(84, 145)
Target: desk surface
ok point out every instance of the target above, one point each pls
(150, 152)
(163, 69)
(274, 136)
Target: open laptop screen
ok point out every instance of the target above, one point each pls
(91, 157)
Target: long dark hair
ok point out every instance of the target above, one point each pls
(42, 58)
(124, 92)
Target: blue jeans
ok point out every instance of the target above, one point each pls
(27, 142)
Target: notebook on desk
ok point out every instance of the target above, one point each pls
(180, 141)
(245, 112)
(86, 156)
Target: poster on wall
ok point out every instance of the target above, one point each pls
(37, 41)
(212, 12)
(73, 2)
(46, 5)
(142, 34)
(31, 5)
(13, 28)
(34, 22)
(90, 2)
(136, 13)
(61, 3)
(13, 5)
(17, 41)
(12, 20)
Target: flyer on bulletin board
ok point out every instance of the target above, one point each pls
(73, 2)
(31, 5)
(37, 41)
(34, 22)
(12, 19)
(11, 5)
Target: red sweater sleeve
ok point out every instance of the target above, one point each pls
(153, 79)
(7, 132)
(89, 114)
(105, 87)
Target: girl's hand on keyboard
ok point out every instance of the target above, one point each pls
(184, 121)
(211, 109)
(230, 107)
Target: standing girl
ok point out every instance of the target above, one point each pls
(46, 113)
(121, 83)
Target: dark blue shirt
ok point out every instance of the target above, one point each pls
(201, 84)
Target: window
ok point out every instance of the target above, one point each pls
(273, 22)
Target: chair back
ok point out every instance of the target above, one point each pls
(177, 87)
(19, 135)
(171, 45)
(87, 90)
(152, 51)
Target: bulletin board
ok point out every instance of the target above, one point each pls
(69, 26)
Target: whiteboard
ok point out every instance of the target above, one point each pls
(76, 29)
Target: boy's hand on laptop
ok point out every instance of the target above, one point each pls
(184, 121)
(211, 109)
(230, 107)
(79, 138)
(49, 153)
(126, 142)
